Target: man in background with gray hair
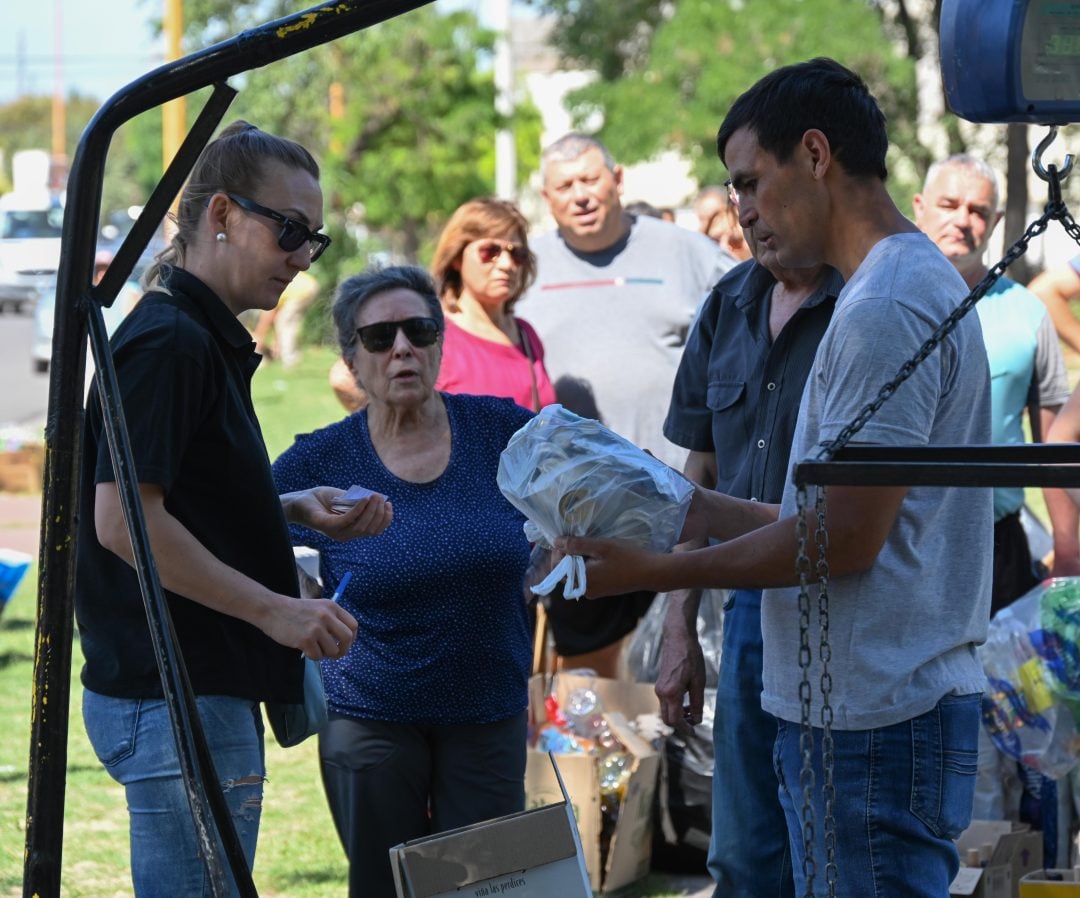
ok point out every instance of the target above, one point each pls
(959, 209)
(613, 301)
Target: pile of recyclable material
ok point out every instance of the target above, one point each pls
(1032, 662)
(581, 727)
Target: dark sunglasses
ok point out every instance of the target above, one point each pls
(380, 337)
(293, 233)
(489, 252)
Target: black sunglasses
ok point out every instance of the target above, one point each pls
(489, 252)
(380, 337)
(293, 233)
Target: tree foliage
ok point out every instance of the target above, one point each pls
(134, 163)
(694, 57)
(415, 135)
(611, 38)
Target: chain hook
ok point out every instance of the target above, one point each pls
(1036, 159)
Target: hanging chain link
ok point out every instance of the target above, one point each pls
(825, 648)
(1055, 210)
(806, 732)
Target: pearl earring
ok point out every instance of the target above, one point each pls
(221, 237)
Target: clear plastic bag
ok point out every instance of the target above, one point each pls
(1032, 664)
(571, 476)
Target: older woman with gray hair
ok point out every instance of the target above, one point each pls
(428, 708)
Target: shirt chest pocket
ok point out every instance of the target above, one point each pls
(727, 400)
(723, 394)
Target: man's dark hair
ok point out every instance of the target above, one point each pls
(820, 94)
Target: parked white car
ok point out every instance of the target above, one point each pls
(45, 313)
(30, 229)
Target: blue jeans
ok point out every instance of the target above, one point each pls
(748, 849)
(133, 739)
(903, 793)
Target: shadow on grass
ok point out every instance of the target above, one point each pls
(9, 658)
(20, 775)
(308, 876)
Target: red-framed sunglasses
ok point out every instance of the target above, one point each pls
(490, 251)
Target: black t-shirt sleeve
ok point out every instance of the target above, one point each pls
(166, 389)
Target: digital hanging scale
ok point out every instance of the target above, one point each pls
(1012, 60)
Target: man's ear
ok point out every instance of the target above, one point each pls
(617, 173)
(918, 206)
(818, 152)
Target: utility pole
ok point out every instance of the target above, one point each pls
(58, 166)
(505, 151)
(173, 113)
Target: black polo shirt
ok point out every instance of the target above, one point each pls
(184, 364)
(737, 393)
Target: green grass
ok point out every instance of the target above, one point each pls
(299, 852)
(297, 400)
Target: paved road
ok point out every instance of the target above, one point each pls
(24, 395)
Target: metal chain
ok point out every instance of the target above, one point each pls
(1055, 210)
(825, 649)
(806, 733)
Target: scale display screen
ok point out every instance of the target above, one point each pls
(1050, 52)
(1012, 60)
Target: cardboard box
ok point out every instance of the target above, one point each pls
(534, 854)
(630, 850)
(1050, 884)
(1015, 851)
(22, 470)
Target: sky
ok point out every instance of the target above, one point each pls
(105, 44)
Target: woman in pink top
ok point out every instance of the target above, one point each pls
(482, 265)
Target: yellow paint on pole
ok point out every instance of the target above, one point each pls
(303, 23)
(173, 113)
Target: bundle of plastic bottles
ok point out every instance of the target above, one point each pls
(581, 728)
(1032, 662)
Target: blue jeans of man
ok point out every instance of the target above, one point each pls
(134, 740)
(902, 794)
(748, 850)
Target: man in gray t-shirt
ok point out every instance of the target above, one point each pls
(909, 568)
(613, 301)
(614, 296)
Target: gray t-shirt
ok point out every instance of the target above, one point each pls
(903, 633)
(614, 323)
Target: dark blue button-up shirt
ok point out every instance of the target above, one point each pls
(737, 392)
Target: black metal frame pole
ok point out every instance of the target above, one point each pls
(64, 424)
(1046, 464)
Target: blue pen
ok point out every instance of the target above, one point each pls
(342, 583)
(339, 592)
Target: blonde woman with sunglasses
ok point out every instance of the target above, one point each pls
(248, 222)
(482, 265)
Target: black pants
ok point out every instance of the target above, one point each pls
(587, 625)
(390, 782)
(1014, 573)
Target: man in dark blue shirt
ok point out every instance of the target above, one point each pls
(734, 405)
